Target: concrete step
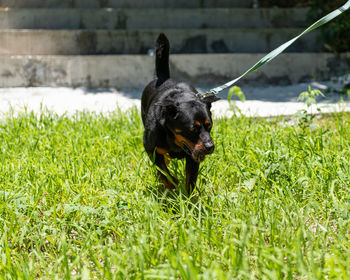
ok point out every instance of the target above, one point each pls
(152, 18)
(125, 3)
(135, 71)
(83, 42)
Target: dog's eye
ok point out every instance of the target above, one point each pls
(208, 127)
(195, 128)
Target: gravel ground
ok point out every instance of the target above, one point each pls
(260, 101)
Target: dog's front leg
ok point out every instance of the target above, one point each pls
(191, 174)
(160, 162)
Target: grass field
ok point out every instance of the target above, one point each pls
(79, 199)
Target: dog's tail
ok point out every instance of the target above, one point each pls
(162, 57)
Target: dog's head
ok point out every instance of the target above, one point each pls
(190, 122)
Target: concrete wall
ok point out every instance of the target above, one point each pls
(136, 71)
(43, 42)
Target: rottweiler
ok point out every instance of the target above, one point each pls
(177, 121)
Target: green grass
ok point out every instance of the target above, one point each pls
(80, 199)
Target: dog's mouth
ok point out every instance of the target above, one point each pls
(186, 148)
(198, 157)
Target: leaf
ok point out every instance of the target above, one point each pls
(235, 91)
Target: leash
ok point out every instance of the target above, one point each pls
(270, 56)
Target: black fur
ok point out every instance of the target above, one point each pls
(177, 121)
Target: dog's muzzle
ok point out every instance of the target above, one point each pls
(196, 155)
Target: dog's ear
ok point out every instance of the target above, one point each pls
(210, 99)
(171, 108)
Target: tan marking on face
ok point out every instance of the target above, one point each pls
(207, 122)
(197, 123)
(199, 152)
(199, 146)
(178, 130)
(179, 139)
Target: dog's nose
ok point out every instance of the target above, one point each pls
(209, 146)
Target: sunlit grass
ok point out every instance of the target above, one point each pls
(80, 199)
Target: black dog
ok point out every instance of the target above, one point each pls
(177, 121)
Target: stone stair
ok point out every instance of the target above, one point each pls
(74, 31)
(41, 38)
(117, 4)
